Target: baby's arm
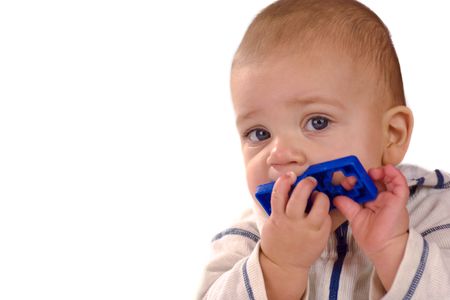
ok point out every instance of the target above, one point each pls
(291, 241)
(380, 227)
(234, 272)
(411, 263)
(245, 267)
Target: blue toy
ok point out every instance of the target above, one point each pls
(364, 189)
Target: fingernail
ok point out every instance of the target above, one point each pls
(312, 179)
(291, 176)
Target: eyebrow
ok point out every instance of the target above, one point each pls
(246, 116)
(295, 102)
(316, 99)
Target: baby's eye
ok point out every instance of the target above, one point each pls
(317, 123)
(258, 135)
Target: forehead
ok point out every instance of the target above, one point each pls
(321, 74)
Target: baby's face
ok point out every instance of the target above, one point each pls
(294, 112)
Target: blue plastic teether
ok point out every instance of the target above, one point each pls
(363, 191)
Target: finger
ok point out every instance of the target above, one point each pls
(347, 207)
(297, 203)
(320, 208)
(377, 175)
(395, 182)
(391, 179)
(348, 183)
(376, 205)
(280, 193)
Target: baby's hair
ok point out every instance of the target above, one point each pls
(291, 26)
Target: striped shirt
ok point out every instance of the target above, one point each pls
(343, 271)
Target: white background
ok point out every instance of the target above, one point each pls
(119, 159)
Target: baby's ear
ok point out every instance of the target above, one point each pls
(397, 128)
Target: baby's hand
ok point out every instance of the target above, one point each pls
(380, 227)
(291, 238)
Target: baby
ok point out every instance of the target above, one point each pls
(312, 81)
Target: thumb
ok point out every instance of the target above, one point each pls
(347, 207)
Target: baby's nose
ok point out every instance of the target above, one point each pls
(284, 157)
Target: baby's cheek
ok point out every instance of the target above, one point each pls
(251, 183)
(253, 172)
(255, 177)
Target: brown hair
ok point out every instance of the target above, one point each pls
(348, 25)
